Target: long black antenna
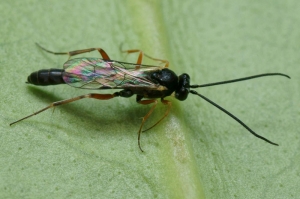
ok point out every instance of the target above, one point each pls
(232, 116)
(240, 79)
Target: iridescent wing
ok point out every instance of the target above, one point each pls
(95, 73)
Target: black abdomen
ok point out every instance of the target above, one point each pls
(46, 77)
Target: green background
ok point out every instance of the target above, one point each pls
(88, 149)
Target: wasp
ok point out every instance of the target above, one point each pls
(147, 82)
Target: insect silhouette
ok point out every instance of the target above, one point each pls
(147, 82)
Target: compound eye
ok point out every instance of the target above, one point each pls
(182, 93)
(183, 87)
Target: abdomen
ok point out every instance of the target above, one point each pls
(46, 77)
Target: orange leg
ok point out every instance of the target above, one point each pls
(145, 102)
(140, 58)
(66, 101)
(167, 103)
(77, 52)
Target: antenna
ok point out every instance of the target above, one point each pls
(240, 79)
(232, 116)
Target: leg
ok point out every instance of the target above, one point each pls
(54, 104)
(140, 58)
(145, 102)
(77, 52)
(167, 103)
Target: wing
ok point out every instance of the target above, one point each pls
(95, 73)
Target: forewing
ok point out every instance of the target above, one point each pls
(95, 73)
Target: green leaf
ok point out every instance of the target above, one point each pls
(88, 149)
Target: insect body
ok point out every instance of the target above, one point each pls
(144, 81)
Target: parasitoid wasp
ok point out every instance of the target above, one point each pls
(144, 81)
